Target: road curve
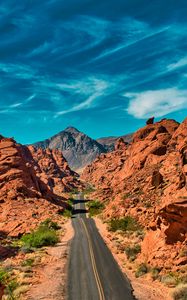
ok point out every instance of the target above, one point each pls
(93, 274)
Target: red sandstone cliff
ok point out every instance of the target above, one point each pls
(147, 180)
(52, 168)
(26, 196)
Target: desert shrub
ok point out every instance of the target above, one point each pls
(95, 207)
(183, 278)
(88, 190)
(9, 283)
(180, 293)
(28, 262)
(16, 243)
(74, 191)
(147, 204)
(3, 276)
(70, 202)
(125, 196)
(183, 252)
(132, 252)
(155, 273)
(170, 280)
(49, 224)
(141, 270)
(140, 233)
(43, 236)
(10, 288)
(68, 211)
(125, 224)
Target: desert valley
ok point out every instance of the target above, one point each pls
(93, 150)
(135, 188)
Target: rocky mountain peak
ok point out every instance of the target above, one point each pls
(78, 148)
(71, 129)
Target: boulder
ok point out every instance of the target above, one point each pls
(150, 121)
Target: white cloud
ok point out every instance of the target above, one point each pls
(12, 108)
(180, 63)
(83, 105)
(15, 105)
(27, 100)
(30, 98)
(157, 103)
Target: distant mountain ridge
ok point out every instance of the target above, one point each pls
(78, 148)
(109, 142)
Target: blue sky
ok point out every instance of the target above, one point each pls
(101, 66)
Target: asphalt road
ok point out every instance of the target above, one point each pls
(93, 274)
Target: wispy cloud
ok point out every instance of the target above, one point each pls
(182, 62)
(19, 71)
(16, 105)
(80, 34)
(57, 58)
(131, 32)
(157, 103)
(12, 108)
(93, 87)
(44, 47)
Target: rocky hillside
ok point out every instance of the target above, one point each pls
(52, 168)
(30, 184)
(148, 181)
(109, 142)
(78, 148)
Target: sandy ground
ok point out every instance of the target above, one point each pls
(144, 287)
(50, 276)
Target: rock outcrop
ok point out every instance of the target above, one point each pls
(17, 175)
(52, 168)
(147, 180)
(31, 186)
(150, 121)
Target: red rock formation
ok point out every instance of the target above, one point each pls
(53, 169)
(17, 177)
(2, 288)
(25, 194)
(120, 144)
(150, 121)
(147, 180)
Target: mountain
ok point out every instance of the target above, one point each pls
(109, 142)
(78, 148)
(147, 181)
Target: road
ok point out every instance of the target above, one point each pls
(93, 274)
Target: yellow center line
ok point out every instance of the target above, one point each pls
(98, 281)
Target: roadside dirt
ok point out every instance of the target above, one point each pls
(144, 287)
(50, 275)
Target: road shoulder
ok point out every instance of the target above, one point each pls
(51, 273)
(144, 288)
